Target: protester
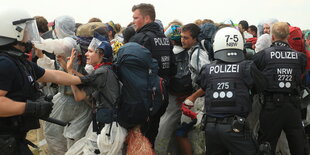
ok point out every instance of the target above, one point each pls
(60, 138)
(180, 87)
(243, 28)
(191, 141)
(104, 83)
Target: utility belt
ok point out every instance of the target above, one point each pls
(273, 100)
(225, 120)
(237, 123)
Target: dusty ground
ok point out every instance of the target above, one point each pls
(37, 137)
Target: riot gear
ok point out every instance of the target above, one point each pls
(282, 70)
(227, 91)
(228, 45)
(17, 25)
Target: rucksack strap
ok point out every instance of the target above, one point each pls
(196, 71)
(202, 42)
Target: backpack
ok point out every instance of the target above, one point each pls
(182, 82)
(142, 93)
(295, 39)
(207, 31)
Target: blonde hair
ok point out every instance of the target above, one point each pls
(145, 10)
(207, 21)
(280, 30)
(198, 22)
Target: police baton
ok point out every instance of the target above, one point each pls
(55, 121)
(49, 98)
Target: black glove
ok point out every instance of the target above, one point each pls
(40, 109)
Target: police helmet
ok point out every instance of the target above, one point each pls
(228, 45)
(17, 25)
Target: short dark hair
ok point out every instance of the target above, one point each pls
(192, 28)
(146, 10)
(41, 23)
(254, 29)
(244, 24)
(128, 32)
(177, 42)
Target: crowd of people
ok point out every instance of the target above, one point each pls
(199, 88)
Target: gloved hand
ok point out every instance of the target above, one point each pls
(188, 112)
(188, 103)
(40, 109)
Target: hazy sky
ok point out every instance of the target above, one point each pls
(296, 12)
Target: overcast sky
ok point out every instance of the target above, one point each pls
(296, 12)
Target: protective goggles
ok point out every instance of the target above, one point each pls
(94, 44)
(31, 33)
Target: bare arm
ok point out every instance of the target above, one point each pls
(79, 94)
(59, 77)
(9, 107)
(195, 95)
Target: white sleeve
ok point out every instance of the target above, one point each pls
(57, 46)
(46, 62)
(262, 42)
(202, 59)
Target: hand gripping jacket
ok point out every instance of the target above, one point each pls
(227, 87)
(283, 70)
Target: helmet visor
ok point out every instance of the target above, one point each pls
(31, 33)
(94, 44)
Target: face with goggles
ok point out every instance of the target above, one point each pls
(94, 55)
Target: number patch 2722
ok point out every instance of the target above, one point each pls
(285, 77)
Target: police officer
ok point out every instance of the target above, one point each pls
(228, 84)
(20, 102)
(150, 35)
(283, 67)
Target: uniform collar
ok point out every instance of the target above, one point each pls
(280, 43)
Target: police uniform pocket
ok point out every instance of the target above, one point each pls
(296, 101)
(7, 144)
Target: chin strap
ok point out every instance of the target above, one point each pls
(27, 45)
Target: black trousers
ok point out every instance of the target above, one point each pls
(150, 128)
(282, 113)
(10, 145)
(222, 140)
